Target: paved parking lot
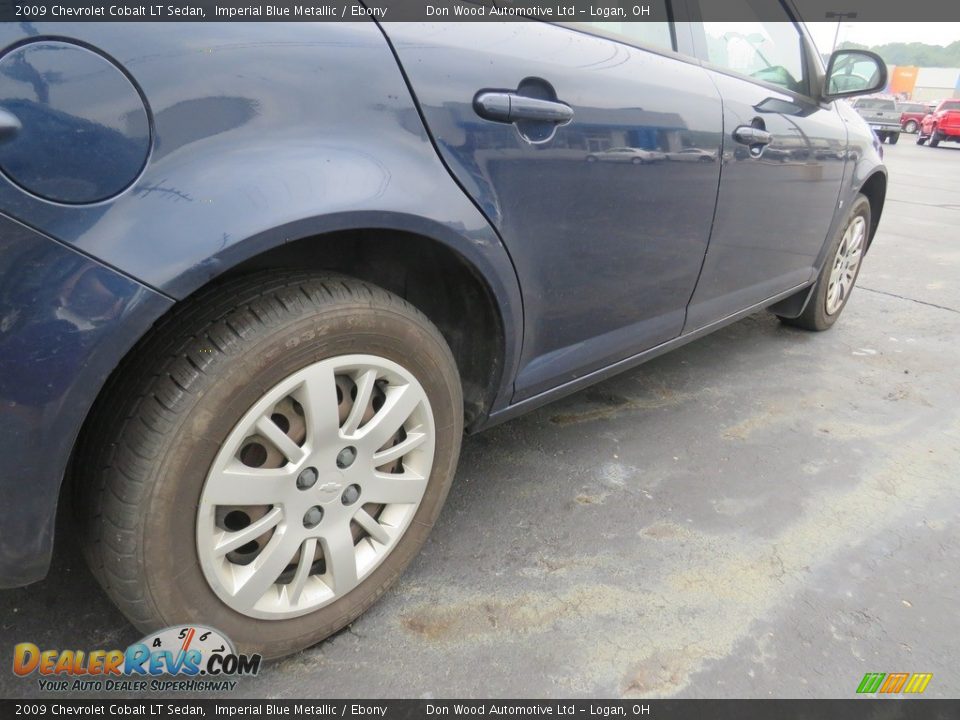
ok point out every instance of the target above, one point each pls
(765, 512)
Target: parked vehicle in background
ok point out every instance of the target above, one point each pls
(912, 114)
(942, 125)
(692, 155)
(882, 116)
(252, 297)
(637, 156)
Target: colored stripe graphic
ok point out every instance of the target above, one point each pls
(894, 682)
(918, 682)
(871, 682)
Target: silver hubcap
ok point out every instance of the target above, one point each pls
(845, 264)
(315, 486)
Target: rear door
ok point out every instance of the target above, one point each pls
(783, 160)
(564, 136)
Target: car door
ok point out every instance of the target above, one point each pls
(607, 245)
(783, 160)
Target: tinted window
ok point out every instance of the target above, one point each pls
(875, 104)
(763, 50)
(951, 105)
(912, 108)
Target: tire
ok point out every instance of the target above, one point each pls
(893, 138)
(172, 410)
(815, 315)
(637, 161)
(935, 138)
(591, 159)
(911, 126)
(921, 138)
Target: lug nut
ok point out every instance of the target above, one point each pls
(350, 495)
(312, 517)
(307, 479)
(346, 457)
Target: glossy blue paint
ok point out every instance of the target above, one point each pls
(257, 135)
(69, 149)
(65, 323)
(607, 252)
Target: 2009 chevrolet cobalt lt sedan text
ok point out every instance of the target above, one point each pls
(257, 279)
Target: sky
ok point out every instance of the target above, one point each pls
(879, 33)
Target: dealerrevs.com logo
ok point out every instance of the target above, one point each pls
(180, 658)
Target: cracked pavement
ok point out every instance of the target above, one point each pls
(762, 513)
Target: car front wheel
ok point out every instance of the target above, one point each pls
(839, 272)
(270, 459)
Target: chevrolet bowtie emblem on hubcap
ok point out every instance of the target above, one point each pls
(330, 487)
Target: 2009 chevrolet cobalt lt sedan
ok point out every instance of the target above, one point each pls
(257, 279)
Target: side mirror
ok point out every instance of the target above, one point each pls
(854, 72)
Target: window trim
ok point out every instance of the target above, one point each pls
(811, 79)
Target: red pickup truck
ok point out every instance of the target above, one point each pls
(912, 114)
(943, 124)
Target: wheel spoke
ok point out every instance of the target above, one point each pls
(267, 567)
(238, 484)
(373, 528)
(230, 541)
(365, 385)
(390, 454)
(341, 559)
(269, 429)
(318, 396)
(307, 552)
(401, 401)
(390, 488)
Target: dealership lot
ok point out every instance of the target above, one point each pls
(765, 512)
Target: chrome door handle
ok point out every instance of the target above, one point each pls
(749, 135)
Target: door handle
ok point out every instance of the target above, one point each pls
(510, 107)
(9, 125)
(749, 135)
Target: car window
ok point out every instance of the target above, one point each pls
(634, 32)
(771, 51)
(951, 105)
(875, 104)
(913, 108)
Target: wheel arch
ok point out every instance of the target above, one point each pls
(875, 190)
(450, 289)
(474, 308)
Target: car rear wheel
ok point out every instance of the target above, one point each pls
(893, 138)
(840, 271)
(935, 138)
(911, 126)
(270, 460)
(921, 138)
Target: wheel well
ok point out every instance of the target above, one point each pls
(875, 188)
(426, 273)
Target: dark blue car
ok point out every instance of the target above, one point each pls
(257, 279)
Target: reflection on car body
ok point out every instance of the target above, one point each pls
(692, 155)
(637, 156)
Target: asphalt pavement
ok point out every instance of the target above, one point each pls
(763, 513)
